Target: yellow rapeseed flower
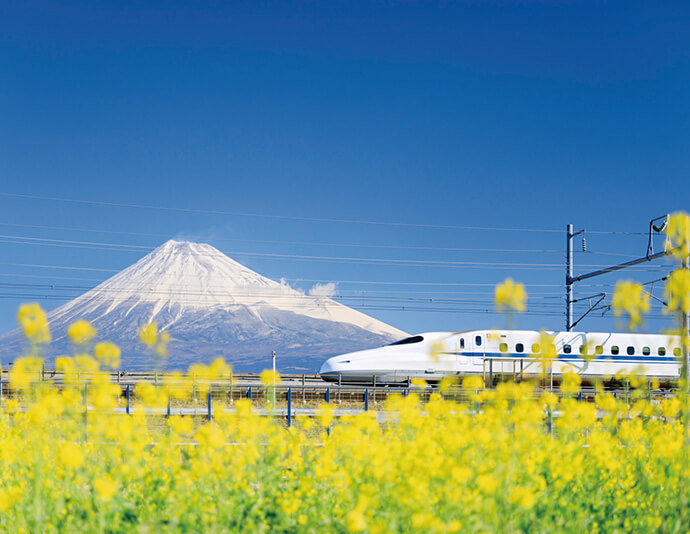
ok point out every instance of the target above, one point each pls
(545, 351)
(677, 291)
(106, 487)
(436, 350)
(81, 332)
(8, 497)
(678, 235)
(447, 382)
(473, 382)
(210, 435)
(487, 483)
(325, 415)
(71, 455)
(570, 383)
(34, 323)
(419, 383)
(630, 298)
(269, 378)
(522, 496)
(148, 334)
(356, 520)
(108, 354)
(25, 371)
(511, 295)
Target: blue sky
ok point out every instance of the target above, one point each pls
(476, 114)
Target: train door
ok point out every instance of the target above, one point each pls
(462, 358)
(478, 349)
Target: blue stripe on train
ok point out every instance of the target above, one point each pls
(621, 358)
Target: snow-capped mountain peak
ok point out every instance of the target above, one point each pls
(194, 290)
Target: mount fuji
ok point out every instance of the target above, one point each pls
(212, 307)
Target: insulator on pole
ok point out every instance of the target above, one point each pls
(584, 244)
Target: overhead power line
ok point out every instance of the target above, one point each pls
(293, 257)
(291, 217)
(276, 242)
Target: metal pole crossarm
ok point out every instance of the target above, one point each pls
(613, 268)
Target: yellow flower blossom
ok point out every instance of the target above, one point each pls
(677, 291)
(570, 384)
(510, 295)
(106, 487)
(631, 299)
(473, 382)
(269, 378)
(678, 235)
(544, 351)
(71, 455)
(148, 334)
(210, 435)
(419, 383)
(8, 497)
(487, 483)
(25, 371)
(81, 332)
(108, 354)
(447, 382)
(522, 496)
(34, 323)
(325, 415)
(356, 519)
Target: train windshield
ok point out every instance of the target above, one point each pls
(408, 340)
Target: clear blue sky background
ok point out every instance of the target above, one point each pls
(486, 114)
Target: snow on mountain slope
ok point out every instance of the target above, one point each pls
(213, 306)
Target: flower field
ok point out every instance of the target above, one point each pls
(441, 467)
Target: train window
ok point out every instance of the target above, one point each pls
(503, 347)
(614, 349)
(536, 349)
(646, 351)
(409, 340)
(599, 349)
(462, 342)
(662, 351)
(631, 350)
(478, 341)
(583, 349)
(676, 351)
(567, 349)
(519, 347)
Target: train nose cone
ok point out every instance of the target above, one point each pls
(328, 370)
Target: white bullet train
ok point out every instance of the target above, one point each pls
(433, 355)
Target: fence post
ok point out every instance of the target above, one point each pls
(579, 395)
(328, 395)
(249, 392)
(167, 414)
(128, 409)
(210, 409)
(550, 422)
(289, 407)
(86, 413)
(366, 399)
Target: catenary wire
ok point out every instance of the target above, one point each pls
(291, 217)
